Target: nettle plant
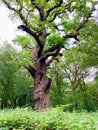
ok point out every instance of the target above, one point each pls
(51, 24)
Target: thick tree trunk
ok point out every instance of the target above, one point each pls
(41, 87)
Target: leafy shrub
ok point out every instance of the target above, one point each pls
(53, 119)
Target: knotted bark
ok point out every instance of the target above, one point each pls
(41, 87)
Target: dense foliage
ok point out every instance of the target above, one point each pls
(14, 80)
(54, 119)
(76, 94)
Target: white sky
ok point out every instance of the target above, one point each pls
(8, 29)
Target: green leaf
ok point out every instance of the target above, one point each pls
(22, 40)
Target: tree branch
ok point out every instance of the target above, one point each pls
(16, 11)
(81, 25)
(41, 13)
(50, 53)
(54, 7)
(31, 70)
(32, 33)
(85, 20)
(72, 36)
(41, 10)
(29, 11)
(59, 12)
(48, 62)
(35, 35)
(53, 48)
(9, 7)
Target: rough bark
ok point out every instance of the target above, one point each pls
(41, 87)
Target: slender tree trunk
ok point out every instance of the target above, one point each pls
(41, 87)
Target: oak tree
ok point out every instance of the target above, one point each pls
(51, 23)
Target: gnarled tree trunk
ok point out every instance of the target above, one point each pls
(41, 87)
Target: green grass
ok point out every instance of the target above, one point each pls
(54, 119)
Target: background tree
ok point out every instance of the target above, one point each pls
(51, 24)
(76, 63)
(14, 80)
(58, 86)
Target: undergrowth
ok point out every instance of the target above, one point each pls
(53, 119)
